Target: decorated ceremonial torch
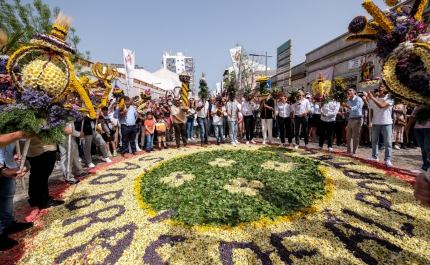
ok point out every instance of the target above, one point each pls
(185, 79)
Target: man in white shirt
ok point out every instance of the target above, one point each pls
(381, 121)
(202, 115)
(327, 122)
(283, 112)
(232, 110)
(301, 110)
(248, 118)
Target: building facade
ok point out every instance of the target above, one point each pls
(346, 58)
(180, 63)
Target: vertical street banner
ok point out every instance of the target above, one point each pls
(129, 67)
(236, 58)
(283, 72)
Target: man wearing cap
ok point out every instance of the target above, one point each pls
(179, 122)
(355, 121)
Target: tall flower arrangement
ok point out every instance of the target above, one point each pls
(338, 90)
(39, 97)
(203, 86)
(402, 40)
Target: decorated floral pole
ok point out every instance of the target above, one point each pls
(185, 79)
(263, 91)
(145, 97)
(321, 89)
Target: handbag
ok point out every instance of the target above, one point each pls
(400, 122)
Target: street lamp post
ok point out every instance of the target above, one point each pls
(262, 55)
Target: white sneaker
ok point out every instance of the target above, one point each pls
(107, 160)
(388, 163)
(372, 159)
(330, 149)
(307, 146)
(416, 171)
(193, 139)
(281, 144)
(264, 142)
(237, 142)
(247, 142)
(233, 144)
(290, 144)
(189, 139)
(252, 141)
(319, 148)
(91, 165)
(138, 150)
(396, 147)
(296, 146)
(355, 155)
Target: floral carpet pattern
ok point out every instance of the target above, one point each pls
(358, 214)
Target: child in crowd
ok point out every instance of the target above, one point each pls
(108, 129)
(161, 132)
(149, 133)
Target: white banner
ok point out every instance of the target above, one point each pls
(129, 63)
(236, 58)
(326, 73)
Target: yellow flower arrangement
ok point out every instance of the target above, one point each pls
(377, 14)
(42, 73)
(419, 14)
(368, 217)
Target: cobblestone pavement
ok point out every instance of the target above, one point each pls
(406, 159)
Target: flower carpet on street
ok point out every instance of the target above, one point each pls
(245, 205)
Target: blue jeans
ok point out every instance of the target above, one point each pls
(232, 127)
(381, 141)
(386, 131)
(203, 124)
(423, 139)
(190, 127)
(149, 138)
(219, 133)
(7, 191)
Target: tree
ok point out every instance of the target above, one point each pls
(249, 70)
(30, 19)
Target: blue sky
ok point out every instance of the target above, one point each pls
(206, 30)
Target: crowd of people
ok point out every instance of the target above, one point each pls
(372, 119)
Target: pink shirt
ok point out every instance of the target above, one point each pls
(417, 125)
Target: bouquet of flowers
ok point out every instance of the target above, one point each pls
(276, 92)
(292, 98)
(338, 91)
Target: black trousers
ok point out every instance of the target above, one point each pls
(285, 126)
(226, 131)
(180, 131)
(326, 128)
(249, 127)
(304, 122)
(41, 168)
(338, 131)
(128, 134)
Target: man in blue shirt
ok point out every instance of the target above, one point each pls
(9, 172)
(355, 107)
(127, 119)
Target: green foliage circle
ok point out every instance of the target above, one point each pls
(204, 200)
